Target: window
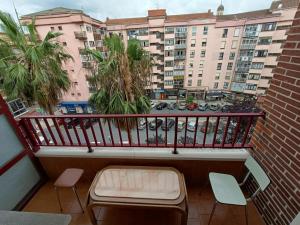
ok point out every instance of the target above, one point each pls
(200, 73)
(79, 94)
(268, 26)
(201, 64)
(234, 44)
(193, 42)
(86, 44)
(88, 28)
(257, 65)
(217, 77)
(192, 53)
(231, 55)
(169, 30)
(227, 77)
(229, 66)
(169, 42)
(264, 41)
(199, 82)
(226, 84)
(64, 43)
(92, 43)
(168, 82)
(283, 27)
(221, 55)
(190, 73)
(144, 43)
(225, 32)
(204, 42)
(223, 44)
(194, 31)
(216, 84)
(205, 30)
(168, 63)
(59, 27)
(219, 66)
(189, 82)
(191, 64)
(253, 76)
(236, 32)
(260, 53)
(202, 53)
(168, 73)
(251, 87)
(143, 31)
(52, 28)
(169, 53)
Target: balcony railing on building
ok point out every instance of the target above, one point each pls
(87, 65)
(248, 46)
(179, 57)
(180, 46)
(81, 35)
(208, 130)
(181, 35)
(179, 67)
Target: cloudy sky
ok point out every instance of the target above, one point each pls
(100, 9)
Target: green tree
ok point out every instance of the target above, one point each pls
(121, 78)
(190, 99)
(31, 68)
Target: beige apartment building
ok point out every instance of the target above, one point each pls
(199, 52)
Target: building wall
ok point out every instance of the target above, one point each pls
(276, 139)
(79, 90)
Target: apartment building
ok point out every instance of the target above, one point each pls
(79, 31)
(203, 51)
(199, 52)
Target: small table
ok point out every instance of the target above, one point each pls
(139, 186)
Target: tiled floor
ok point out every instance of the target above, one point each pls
(200, 205)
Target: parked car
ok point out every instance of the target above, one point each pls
(153, 104)
(191, 126)
(72, 122)
(225, 108)
(203, 106)
(166, 125)
(180, 125)
(192, 106)
(152, 140)
(155, 123)
(209, 127)
(187, 139)
(161, 106)
(141, 124)
(214, 107)
(172, 105)
(182, 106)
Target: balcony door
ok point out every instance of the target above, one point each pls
(19, 176)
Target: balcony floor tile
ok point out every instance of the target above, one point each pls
(201, 201)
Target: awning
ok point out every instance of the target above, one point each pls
(73, 103)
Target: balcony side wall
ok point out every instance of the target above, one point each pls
(276, 139)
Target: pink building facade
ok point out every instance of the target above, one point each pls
(79, 31)
(198, 52)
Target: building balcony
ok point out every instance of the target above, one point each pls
(179, 67)
(87, 65)
(248, 46)
(180, 46)
(82, 51)
(179, 57)
(81, 35)
(181, 35)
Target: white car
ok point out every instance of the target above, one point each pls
(153, 104)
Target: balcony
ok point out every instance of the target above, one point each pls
(179, 57)
(180, 46)
(81, 35)
(179, 67)
(87, 65)
(248, 46)
(180, 35)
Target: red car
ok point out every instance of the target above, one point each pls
(192, 106)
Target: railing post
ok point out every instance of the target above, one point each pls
(29, 136)
(87, 141)
(175, 136)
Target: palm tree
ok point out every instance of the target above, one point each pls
(31, 68)
(121, 79)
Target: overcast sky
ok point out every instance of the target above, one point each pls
(100, 9)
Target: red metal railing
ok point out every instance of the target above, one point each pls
(208, 130)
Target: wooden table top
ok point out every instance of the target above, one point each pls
(138, 185)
